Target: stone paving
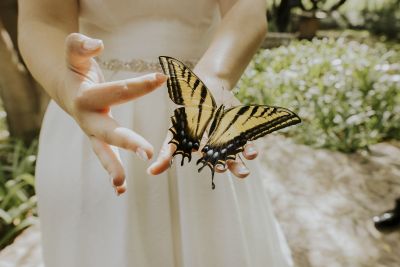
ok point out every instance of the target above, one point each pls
(324, 201)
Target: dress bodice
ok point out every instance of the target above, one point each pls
(146, 29)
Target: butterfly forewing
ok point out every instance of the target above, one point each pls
(189, 122)
(184, 87)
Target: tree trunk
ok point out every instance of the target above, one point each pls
(23, 99)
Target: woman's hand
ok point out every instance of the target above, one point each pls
(237, 166)
(87, 98)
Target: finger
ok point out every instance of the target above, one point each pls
(117, 92)
(250, 151)
(80, 49)
(110, 132)
(238, 168)
(221, 168)
(110, 161)
(164, 157)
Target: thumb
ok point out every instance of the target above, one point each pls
(164, 158)
(80, 49)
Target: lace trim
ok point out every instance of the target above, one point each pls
(136, 65)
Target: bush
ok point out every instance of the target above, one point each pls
(347, 93)
(379, 17)
(17, 199)
(384, 20)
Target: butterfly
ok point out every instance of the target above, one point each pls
(229, 129)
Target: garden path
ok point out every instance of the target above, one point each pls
(325, 200)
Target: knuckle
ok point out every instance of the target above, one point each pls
(123, 91)
(80, 99)
(84, 126)
(73, 43)
(106, 136)
(108, 167)
(72, 38)
(124, 143)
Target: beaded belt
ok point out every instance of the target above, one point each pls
(136, 65)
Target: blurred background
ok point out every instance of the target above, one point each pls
(336, 63)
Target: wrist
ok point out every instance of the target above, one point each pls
(62, 92)
(221, 90)
(213, 82)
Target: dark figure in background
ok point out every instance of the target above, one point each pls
(283, 13)
(389, 221)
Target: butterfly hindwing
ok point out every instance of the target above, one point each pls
(186, 131)
(189, 122)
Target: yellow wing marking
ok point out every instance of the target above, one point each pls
(184, 87)
(250, 123)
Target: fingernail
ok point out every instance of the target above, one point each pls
(92, 44)
(141, 154)
(220, 167)
(148, 171)
(243, 170)
(251, 151)
(161, 77)
(119, 190)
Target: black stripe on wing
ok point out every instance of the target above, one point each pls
(183, 137)
(186, 139)
(184, 87)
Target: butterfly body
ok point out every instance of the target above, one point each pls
(229, 129)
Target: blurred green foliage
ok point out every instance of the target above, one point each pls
(379, 17)
(347, 93)
(3, 123)
(384, 19)
(17, 195)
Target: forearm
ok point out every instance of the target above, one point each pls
(238, 37)
(41, 41)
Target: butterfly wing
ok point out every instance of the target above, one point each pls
(184, 87)
(189, 122)
(186, 137)
(234, 127)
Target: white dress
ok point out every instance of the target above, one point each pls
(173, 219)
